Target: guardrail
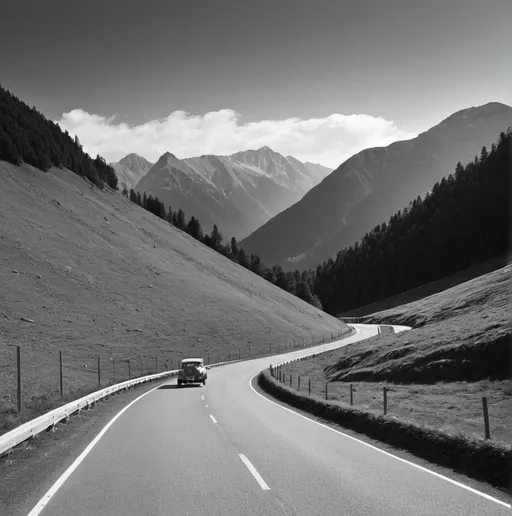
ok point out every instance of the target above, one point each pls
(31, 428)
(13, 438)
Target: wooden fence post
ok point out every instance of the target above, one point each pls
(18, 376)
(61, 379)
(486, 418)
(99, 372)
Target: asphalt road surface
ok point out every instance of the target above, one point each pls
(225, 450)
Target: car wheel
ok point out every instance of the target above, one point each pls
(179, 383)
(204, 381)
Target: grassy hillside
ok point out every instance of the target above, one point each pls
(99, 275)
(435, 373)
(462, 333)
(429, 289)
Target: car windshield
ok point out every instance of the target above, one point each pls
(192, 364)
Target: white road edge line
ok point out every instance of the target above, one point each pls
(213, 419)
(60, 481)
(459, 484)
(254, 472)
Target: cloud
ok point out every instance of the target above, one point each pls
(329, 140)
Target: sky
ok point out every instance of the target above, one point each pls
(317, 79)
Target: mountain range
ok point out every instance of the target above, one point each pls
(130, 170)
(371, 186)
(238, 193)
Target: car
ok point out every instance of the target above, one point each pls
(192, 371)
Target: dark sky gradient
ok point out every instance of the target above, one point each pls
(411, 61)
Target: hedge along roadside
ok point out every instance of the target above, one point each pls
(35, 426)
(481, 460)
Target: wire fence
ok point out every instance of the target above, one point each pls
(468, 413)
(27, 375)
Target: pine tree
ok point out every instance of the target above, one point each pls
(180, 220)
(215, 237)
(242, 259)
(194, 229)
(234, 247)
(169, 217)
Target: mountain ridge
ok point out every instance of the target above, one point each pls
(370, 186)
(237, 192)
(131, 169)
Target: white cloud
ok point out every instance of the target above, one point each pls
(329, 140)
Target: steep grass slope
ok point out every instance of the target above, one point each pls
(98, 275)
(460, 334)
(429, 289)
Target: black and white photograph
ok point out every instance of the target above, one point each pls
(255, 258)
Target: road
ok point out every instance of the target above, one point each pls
(224, 449)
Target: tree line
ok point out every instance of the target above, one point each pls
(464, 220)
(297, 283)
(28, 136)
(461, 222)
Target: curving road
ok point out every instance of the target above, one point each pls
(224, 450)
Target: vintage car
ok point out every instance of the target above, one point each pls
(192, 371)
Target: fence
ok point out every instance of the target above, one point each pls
(354, 320)
(417, 403)
(32, 381)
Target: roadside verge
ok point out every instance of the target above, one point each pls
(479, 459)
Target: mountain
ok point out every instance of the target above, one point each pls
(371, 186)
(239, 193)
(130, 170)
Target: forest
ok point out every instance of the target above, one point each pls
(464, 220)
(27, 136)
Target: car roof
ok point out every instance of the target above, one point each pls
(192, 360)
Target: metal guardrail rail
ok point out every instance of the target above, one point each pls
(31, 428)
(35, 426)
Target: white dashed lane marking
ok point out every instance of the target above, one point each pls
(213, 419)
(254, 472)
